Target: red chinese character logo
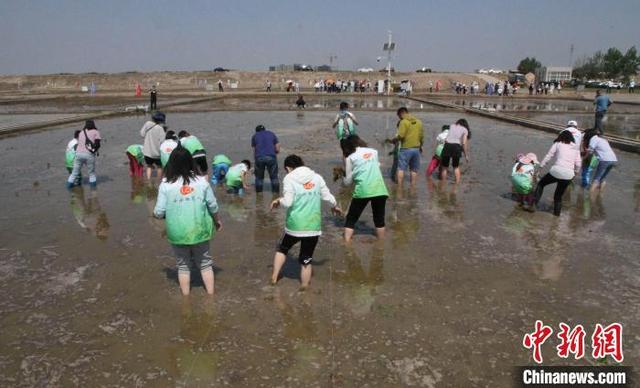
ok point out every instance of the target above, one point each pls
(536, 339)
(607, 342)
(571, 341)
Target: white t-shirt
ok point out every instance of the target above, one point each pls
(72, 144)
(602, 149)
(442, 136)
(456, 134)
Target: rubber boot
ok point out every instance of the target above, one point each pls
(557, 207)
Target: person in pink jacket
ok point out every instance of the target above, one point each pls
(566, 164)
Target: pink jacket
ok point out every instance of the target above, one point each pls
(566, 157)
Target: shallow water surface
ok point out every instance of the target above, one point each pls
(89, 284)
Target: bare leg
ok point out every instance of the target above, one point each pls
(380, 233)
(456, 171)
(278, 262)
(443, 173)
(148, 173)
(400, 177)
(208, 280)
(414, 177)
(185, 282)
(305, 275)
(348, 234)
(159, 173)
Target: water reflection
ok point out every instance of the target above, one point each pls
(362, 277)
(146, 192)
(192, 355)
(88, 213)
(300, 327)
(404, 217)
(444, 200)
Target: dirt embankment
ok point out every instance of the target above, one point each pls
(197, 80)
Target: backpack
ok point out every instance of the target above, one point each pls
(91, 146)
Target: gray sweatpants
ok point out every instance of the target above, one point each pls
(197, 253)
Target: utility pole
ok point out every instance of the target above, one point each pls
(389, 47)
(571, 55)
(332, 57)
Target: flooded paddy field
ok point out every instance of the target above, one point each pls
(7, 120)
(90, 295)
(78, 104)
(314, 101)
(622, 120)
(535, 105)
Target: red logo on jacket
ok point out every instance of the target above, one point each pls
(186, 190)
(309, 185)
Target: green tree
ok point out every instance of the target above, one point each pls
(590, 67)
(613, 63)
(528, 65)
(630, 63)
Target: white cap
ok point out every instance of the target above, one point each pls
(572, 123)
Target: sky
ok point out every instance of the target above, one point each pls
(42, 37)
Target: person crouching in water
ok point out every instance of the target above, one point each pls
(362, 168)
(303, 192)
(345, 122)
(219, 167)
(237, 178)
(522, 179)
(70, 156)
(188, 205)
(136, 160)
(437, 155)
(196, 149)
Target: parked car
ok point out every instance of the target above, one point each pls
(385, 70)
(302, 67)
(365, 70)
(220, 69)
(423, 70)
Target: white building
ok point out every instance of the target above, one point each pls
(553, 73)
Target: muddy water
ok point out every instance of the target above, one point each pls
(315, 101)
(7, 120)
(622, 120)
(534, 105)
(90, 295)
(627, 125)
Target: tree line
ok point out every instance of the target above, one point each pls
(611, 64)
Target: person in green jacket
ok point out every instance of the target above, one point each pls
(197, 151)
(188, 205)
(362, 168)
(136, 159)
(345, 122)
(167, 146)
(219, 167)
(303, 192)
(70, 156)
(237, 178)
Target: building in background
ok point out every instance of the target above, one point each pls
(553, 73)
(281, 67)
